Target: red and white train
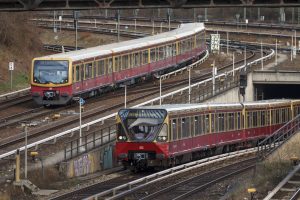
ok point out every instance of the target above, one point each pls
(163, 136)
(55, 79)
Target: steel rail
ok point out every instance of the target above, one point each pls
(101, 120)
(162, 175)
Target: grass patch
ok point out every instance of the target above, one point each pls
(20, 81)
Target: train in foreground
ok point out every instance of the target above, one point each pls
(56, 79)
(167, 135)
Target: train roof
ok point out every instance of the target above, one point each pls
(212, 106)
(183, 31)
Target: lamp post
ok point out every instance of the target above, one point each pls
(25, 125)
(76, 16)
(189, 69)
(80, 102)
(233, 64)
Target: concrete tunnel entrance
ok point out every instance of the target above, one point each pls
(276, 91)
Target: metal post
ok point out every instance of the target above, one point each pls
(76, 34)
(245, 57)
(169, 21)
(258, 14)
(80, 131)
(11, 83)
(276, 53)
(161, 26)
(189, 69)
(233, 64)
(160, 90)
(295, 42)
(227, 42)
(245, 13)
(194, 14)
(135, 24)
(262, 55)
(213, 80)
(118, 13)
(95, 23)
(125, 99)
(292, 44)
(205, 14)
(25, 151)
(17, 170)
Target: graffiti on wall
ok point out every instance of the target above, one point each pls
(82, 165)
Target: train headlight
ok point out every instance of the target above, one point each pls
(122, 137)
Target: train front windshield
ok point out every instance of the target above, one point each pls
(142, 124)
(50, 71)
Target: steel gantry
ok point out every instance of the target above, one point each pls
(23, 5)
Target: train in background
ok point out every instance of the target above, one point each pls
(167, 135)
(56, 79)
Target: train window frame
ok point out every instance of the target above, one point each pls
(88, 70)
(77, 71)
(179, 132)
(174, 127)
(153, 55)
(145, 57)
(230, 117)
(196, 125)
(101, 67)
(110, 65)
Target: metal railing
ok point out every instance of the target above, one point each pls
(90, 141)
(279, 137)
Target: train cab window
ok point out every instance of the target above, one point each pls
(109, 65)
(174, 129)
(88, 70)
(101, 67)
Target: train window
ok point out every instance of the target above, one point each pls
(118, 62)
(145, 57)
(109, 66)
(183, 127)
(254, 121)
(174, 129)
(169, 51)
(174, 49)
(206, 123)
(179, 132)
(230, 121)
(74, 73)
(263, 118)
(249, 119)
(221, 120)
(197, 125)
(283, 119)
(152, 55)
(214, 123)
(100, 67)
(238, 118)
(277, 116)
(77, 72)
(88, 71)
(137, 59)
(192, 127)
(124, 60)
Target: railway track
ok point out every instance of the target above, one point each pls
(87, 191)
(184, 180)
(288, 188)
